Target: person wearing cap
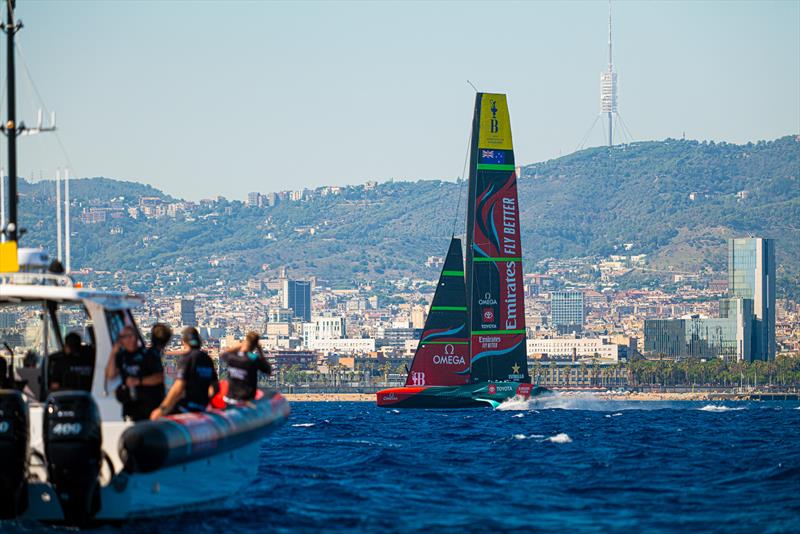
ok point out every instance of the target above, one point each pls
(142, 373)
(195, 380)
(243, 367)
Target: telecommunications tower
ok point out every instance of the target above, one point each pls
(608, 87)
(608, 99)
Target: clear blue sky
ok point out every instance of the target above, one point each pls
(206, 98)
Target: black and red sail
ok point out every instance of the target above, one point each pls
(494, 252)
(442, 357)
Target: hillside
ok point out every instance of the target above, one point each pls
(674, 200)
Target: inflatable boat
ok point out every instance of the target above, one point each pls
(69, 457)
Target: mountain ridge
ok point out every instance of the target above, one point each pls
(674, 200)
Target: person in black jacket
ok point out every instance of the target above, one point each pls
(243, 367)
(195, 381)
(142, 387)
(72, 368)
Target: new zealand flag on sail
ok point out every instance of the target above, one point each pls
(492, 156)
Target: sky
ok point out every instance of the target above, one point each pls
(222, 98)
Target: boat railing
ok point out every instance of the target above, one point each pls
(37, 279)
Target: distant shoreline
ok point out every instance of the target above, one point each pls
(330, 397)
(634, 396)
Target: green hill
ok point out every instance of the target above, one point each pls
(675, 200)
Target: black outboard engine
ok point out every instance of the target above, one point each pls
(14, 443)
(73, 447)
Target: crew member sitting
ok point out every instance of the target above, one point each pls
(195, 379)
(72, 368)
(243, 367)
(142, 387)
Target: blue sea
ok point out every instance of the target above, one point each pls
(571, 464)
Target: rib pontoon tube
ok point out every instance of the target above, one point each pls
(152, 445)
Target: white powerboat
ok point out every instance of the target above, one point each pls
(67, 455)
(70, 457)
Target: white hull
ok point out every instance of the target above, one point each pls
(207, 482)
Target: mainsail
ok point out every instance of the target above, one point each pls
(494, 253)
(442, 357)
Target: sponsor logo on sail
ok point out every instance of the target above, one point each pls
(489, 342)
(515, 374)
(487, 300)
(487, 304)
(449, 357)
(511, 296)
(418, 378)
(495, 128)
(524, 389)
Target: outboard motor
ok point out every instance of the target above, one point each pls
(14, 443)
(73, 447)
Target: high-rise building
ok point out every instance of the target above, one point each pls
(567, 311)
(187, 312)
(745, 328)
(297, 296)
(751, 275)
(253, 199)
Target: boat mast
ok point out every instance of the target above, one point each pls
(10, 128)
(471, 186)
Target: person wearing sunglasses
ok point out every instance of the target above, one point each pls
(142, 373)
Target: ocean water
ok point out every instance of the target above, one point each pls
(567, 463)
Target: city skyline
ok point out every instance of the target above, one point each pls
(280, 85)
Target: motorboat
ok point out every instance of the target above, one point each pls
(69, 456)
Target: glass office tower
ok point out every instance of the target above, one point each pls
(297, 296)
(751, 275)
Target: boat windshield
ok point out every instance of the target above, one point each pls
(31, 330)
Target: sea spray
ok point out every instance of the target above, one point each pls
(583, 401)
(529, 436)
(515, 403)
(719, 408)
(560, 438)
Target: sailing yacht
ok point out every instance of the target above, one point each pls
(472, 351)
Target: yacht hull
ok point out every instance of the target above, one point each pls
(481, 394)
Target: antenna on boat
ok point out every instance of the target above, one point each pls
(67, 237)
(10, 128)
(2, 203)
(58, 215)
